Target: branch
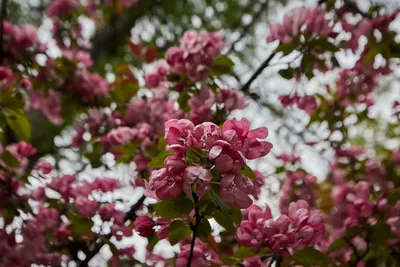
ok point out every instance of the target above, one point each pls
(246, 28)
(198, 218)
(107, 40)
(130, 215)
(246, 86)
(2, 19)
(356, 9)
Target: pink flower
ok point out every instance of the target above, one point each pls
(59, 8)
(198, 178)
(5, 77)
(235, 189)
(85, 206)
(152, 80)
(144, 225)
(226, 158)
(121, 135)
(50, 105)
(177, 131)
(44, 167)
(48, 217)
(200, 106)
(107, 211)
(232, 99)
(164, 184)
(206, 134)
(26, 150)
(174, 57)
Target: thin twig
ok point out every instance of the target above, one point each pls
(194, 229)
(130, 215)
(247, 28)
(246, 86)
(356, 9)
(2, 19)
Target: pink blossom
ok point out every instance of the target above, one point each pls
(153, 79)
(164, 184)
(196, 178)
(235, 189)
(5, 77)
(177, 131)
(50, 105)
(225, 157)
(58, 8)
(200, 105)
(107, 211)
(206, 134)
(121, 135)
(85, 206)
(44, 167)
(144, 225)
(232, 99)
(48, 217)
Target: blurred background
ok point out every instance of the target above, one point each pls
(160, 24)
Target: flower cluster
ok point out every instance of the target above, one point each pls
(301, 227)
(298, 185)
(306, 103)
(309, 23)
(195, 55)
(226, 149)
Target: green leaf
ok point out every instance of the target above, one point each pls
(221, 204)
(174, 208)
(19, 123)
(158, 161)
(206, 207)
(125, 92)
(95, 155)
(287, 48)
(128, 150)
(194, 155)
(244, 252)
(229, 260)
(225, 221)
(81, 225)
(370, 56)
(322, 45)
(287, 73)
(177, 231)
(222, 65)
(247, 171)
(381, 234)
(336, 245)
(310, 257)
(183, 101)
(9, 159)
(203, 230)
(152, 241)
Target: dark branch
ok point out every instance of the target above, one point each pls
(130, 215)
(2, 19)
(194, 229)
(354, 7)
(246, 86)
(107, 40)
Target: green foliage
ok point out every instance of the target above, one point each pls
(309, 257)
(178, 231)
(19, 123)
(247, 171)
(9, 159)
(222, 65)
(175, 207)
(158, 161)
(203, 229)
(225, 221)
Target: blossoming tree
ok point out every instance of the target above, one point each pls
(192, 158)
